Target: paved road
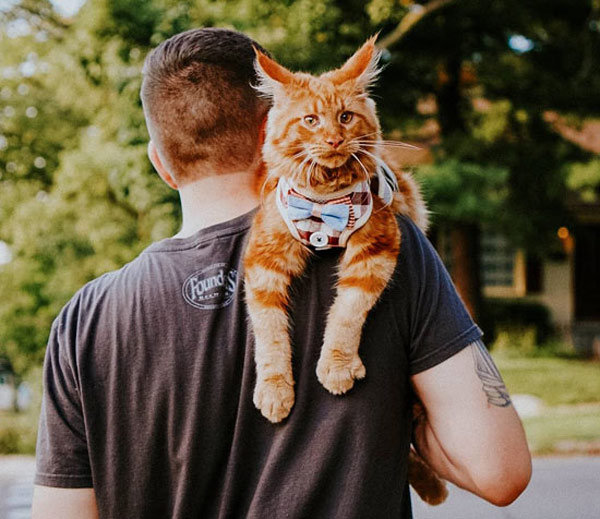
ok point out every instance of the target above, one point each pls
(561, 488)
(16, 487)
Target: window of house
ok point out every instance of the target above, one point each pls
(505, 270)
(497, 261)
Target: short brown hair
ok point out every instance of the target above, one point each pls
(199, 102)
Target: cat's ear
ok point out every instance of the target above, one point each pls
(270, 74)
(361, 67)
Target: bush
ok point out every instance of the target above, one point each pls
(525, 324)
(10, 441)
(18, 430)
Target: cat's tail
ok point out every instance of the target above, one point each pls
(427, 484)
(409, 200)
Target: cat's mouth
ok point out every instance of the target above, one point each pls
(332, 159)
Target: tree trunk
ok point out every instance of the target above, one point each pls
(466, 260)
(464, 237)
(448, 95)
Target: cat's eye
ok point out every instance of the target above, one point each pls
(311, 120)
(345, 117)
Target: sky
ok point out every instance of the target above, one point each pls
(65, 8)
(5, 254)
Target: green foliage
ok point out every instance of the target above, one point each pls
(18, 430)
(516, 338)
(518, 324)
(463, 191)
(585, 178)
(10, 440)
(78, 197)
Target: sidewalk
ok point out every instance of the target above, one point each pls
(16, 486)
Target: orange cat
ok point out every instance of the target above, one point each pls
(322, 143)
(326, 186)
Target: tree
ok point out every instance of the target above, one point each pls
(495, 70)
(79, 198)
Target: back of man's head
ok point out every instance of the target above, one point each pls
(201, 110)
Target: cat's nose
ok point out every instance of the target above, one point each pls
(335, 142)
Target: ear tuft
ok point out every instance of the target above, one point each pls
(361, 67)
(270, 74)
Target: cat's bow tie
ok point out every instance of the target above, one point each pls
(334, 214)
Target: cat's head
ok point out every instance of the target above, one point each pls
(321, 130)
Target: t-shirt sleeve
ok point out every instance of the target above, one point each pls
(440, 325)
(61, 453)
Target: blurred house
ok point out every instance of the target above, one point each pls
(567, 283)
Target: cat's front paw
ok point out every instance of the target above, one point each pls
(274, 397)
(337, 371)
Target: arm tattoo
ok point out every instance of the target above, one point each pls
(488, 373)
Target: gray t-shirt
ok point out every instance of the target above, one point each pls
(149, 375)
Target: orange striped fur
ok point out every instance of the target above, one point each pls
(309, 140)
(322, 159)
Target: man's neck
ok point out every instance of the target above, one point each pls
(215, 199)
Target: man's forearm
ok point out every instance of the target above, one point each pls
(429, 447)
(496, 477)
(64, 503)
(470, 433)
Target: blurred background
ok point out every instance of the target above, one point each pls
(502, 97)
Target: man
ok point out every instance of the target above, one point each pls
(149, 371)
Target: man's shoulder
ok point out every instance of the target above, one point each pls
(417, 254)
(104, 288)
(112, 279)
(410, 231)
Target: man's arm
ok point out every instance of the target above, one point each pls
(64, 503)
(470, 432)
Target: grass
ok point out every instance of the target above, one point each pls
(557, 381)
(570, 389)
(567, 431)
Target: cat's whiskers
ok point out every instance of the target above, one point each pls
(307, 170)
(299, 154)
(391, 144)
(273, 173)
(303, 165)
(367, 176)
(366, 135)
(310, 170)
(369, 154)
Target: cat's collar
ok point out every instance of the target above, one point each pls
(324, 223)
(328, 221)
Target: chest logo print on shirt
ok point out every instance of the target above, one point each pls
(212, 287)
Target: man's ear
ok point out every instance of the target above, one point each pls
(159, 167)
